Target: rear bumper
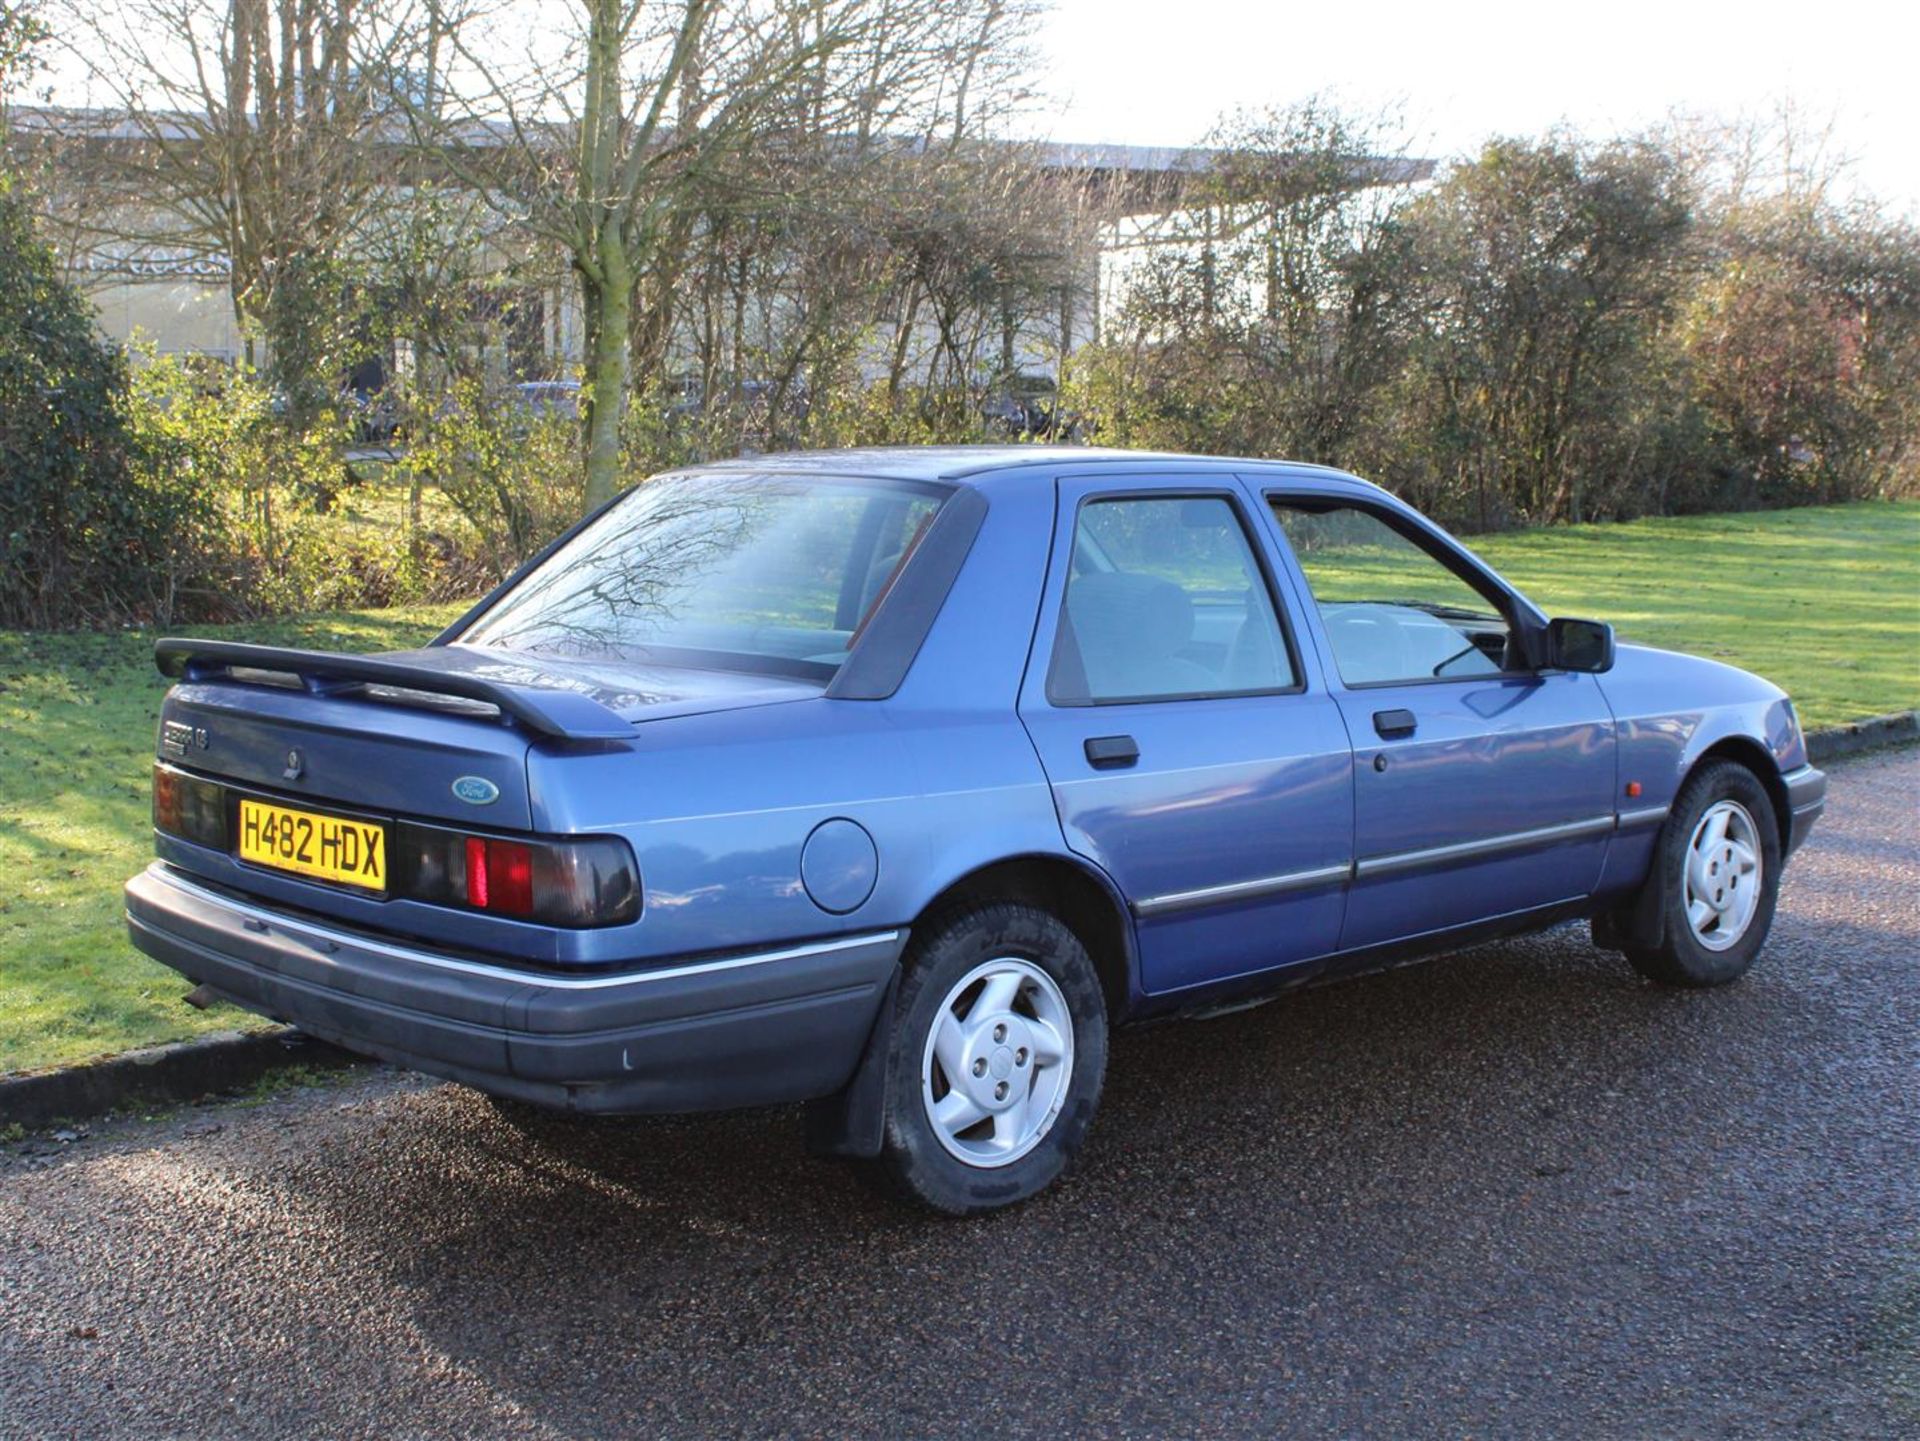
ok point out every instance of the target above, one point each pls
(1806, 799)
(774, 1026)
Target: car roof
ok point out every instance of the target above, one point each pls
(983, 466)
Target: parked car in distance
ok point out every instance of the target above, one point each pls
(759, 412)
(1020, 405)
(888, 781)
(541, 399)
(373, 416)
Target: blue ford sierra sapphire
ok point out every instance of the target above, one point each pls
(889, 780)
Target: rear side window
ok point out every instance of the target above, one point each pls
(1164, 600)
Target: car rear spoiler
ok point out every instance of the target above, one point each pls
(557, 714)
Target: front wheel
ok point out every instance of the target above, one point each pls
(1715, 880)
(996, 1060)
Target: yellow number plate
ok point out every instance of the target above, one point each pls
(354, 853)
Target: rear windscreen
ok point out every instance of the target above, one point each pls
(742, 572)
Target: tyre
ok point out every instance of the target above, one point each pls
(1716, 877)
(994, 1067)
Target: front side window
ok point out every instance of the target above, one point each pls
(758, 573)
(1392, 612)
(1164, 600)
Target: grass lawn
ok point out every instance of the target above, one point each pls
(1826, 602)
(77, 717)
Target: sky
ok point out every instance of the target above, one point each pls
(1158, 72)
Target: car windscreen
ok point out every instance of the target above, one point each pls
(765, 573)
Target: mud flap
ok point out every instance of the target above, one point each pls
(852, 1121)
(1640, 924)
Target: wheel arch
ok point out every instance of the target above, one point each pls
(1750, 753)
(1084, 898)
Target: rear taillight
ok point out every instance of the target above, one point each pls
(587, 882)
(188, 807)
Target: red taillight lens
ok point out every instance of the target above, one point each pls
(586, 882)
(500, 876)
(479, 893)
(510, 877)
(166, 800)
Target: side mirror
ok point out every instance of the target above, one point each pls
(1582, 645)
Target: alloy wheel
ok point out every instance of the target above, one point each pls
(998, 1062)
(1723, 875)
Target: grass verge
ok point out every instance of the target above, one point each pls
(1826, 602)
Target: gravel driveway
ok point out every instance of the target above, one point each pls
(1515, 1192)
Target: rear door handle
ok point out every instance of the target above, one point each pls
(1111, 752)
(1390, 723)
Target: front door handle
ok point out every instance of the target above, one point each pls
(1111, 752)
(1391, 723)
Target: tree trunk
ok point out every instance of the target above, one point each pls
(609, 307)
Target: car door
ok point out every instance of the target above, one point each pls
(1482, 786)
(1187, 755)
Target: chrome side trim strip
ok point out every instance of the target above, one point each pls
(344, 940)
(1645, 816)
(1393, 864)
(1240, 890)
(1469, 850)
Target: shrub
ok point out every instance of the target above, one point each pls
(287, 525)
(87, 536)
(511, 472)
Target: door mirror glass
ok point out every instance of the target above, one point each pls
(1582, 645)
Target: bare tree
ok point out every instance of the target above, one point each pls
(598, 147)
(662, 144)
(247, 133)
(905, 240)
(1278, 280)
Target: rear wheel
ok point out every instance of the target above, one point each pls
(998, 1051)
(1715, 880)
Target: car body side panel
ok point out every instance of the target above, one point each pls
(1489, 760)
(719, 810)
(1493, 759)
(1228, 792)
(980, 794)
(1252, 792)
(1663, 736)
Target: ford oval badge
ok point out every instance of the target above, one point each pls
(476, 790)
